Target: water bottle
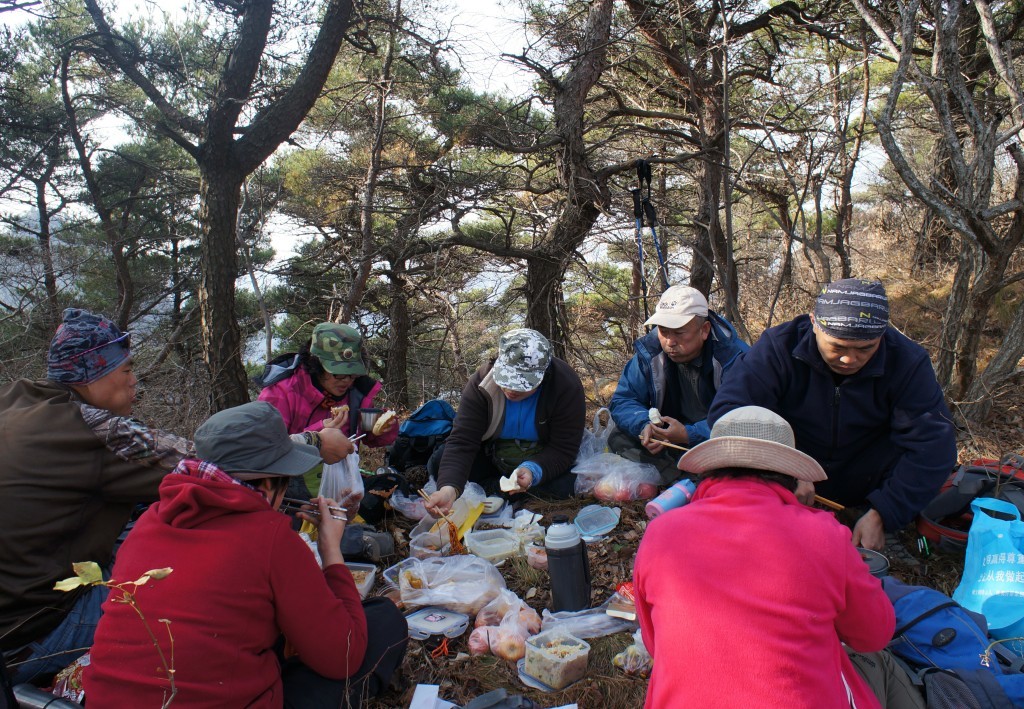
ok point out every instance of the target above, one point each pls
(676, 495)
(568, 566)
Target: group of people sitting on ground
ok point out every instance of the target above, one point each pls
(842, 403)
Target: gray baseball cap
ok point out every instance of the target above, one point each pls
(250, 441)
(523, 357)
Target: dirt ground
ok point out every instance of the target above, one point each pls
(463, 677)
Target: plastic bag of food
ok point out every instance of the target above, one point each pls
(612, 478)
(341, 481)
(496, 608)
(412, 506)
(460, 583)
(519, 623)
(480, 639)
(587, 623)
(634, 660)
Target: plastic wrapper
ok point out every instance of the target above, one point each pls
(537, 556)
(341, 481)
(634, 660)
(526, 526)
(459, 583)
(612, 478)
(67, 684)
(412, 506)
(505, 602)
(595, 440)
(588, 623)
(509, 643)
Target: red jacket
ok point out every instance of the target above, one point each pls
(743, 597)
(301, 405)
(241, 578)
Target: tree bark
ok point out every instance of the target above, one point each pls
(396, 369)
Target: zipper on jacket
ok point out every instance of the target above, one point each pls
(835, 422)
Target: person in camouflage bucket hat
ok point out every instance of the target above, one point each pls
(338, 347)
(523, 357)
(520, 418)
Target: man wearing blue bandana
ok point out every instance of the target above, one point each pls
(863, 401)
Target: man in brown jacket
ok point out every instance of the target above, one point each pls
(74, 466)
(523, 414)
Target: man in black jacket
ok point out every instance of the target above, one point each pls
(863, 401)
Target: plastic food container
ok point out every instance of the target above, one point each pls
(495, 545)
(424, 546)
(364, 575)
(556, 659)
(877, 563)
(595, 520)
(391, 574)
(537, 556)
(436, 621)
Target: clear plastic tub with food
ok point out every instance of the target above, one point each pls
(495, 545)
(556, 658)
(364, 575)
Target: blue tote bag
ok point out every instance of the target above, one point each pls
(993, 580)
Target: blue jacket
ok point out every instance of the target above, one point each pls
(643, 381)
(883, 435)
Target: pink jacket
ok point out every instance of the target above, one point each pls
(300, 403)
(744, 597)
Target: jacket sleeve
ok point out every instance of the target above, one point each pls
(568, 414)
(319, 612)
(466, 437)
(921, 426)
(643, 607)
(631, 400)
(755, 378)
(868, 620)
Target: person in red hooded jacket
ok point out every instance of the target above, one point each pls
(243, 586)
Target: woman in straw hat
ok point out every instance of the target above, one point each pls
(755, 609)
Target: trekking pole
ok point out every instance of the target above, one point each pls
(638, 214)
(644, 174)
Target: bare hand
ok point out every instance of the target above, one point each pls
(441, 501)
(524, 479)
(338, 422)
(334, 445)
(330, 524)
(869, 532)
(805, 492)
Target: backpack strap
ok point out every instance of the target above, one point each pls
(927, 614)
(985, 688)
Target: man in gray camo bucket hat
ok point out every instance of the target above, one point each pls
(523, 357)
(518, 426)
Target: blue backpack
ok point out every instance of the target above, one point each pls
(419, 435)
(946, 648)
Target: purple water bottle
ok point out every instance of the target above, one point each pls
(676, 495)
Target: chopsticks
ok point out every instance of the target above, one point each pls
(426, 498)
(828, 503)
(291, 505)
(356, 438)
(667, 444)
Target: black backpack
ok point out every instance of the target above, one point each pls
(419, 435)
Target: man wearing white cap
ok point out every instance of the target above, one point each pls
(757, 613)
(666, 388)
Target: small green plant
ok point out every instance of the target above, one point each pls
(88, 573)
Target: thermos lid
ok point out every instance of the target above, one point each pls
(561, 534)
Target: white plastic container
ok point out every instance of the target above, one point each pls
(436, 621)
(364, 575)
(495, 545)
(556, 658)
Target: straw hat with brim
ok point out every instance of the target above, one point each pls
(752, 437)
(250, 442)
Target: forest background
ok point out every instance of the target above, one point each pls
(790, 144)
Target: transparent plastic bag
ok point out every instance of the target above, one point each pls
(634, 660)
(519, 623)
(460, 583)
(341, 481)
(595, 440)
(612, 478)
(588, 623)
(412, 506)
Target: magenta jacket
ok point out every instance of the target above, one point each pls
(300, 403)
(745, 597)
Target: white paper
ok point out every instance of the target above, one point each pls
(425, 697)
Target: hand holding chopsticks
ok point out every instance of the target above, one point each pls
(291, 505)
